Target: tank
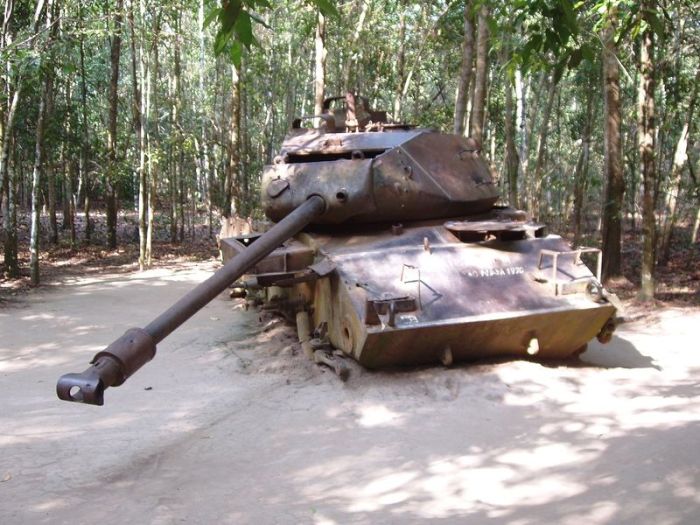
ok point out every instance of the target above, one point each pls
(388, 247)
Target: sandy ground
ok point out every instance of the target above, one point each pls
(230, 424)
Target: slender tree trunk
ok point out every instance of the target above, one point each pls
(50, 171)
(615, 185)
(581, 172)
(511, 160)
(174, 149)
(465, 70)
(84, 140)
(9, 226)
(696, 227)
(646, 140)
(203, 141)
(351, 46)
(137, 115)
(36, 182)
(538, 176)
(320, 66)
(110, 180)
(400, 62)
(153, 165)
(521, 91)
(476, 118)
(10, 222)
(39, 150)
(233, 149)
(7, 123)
(65, 185)
(680, 158)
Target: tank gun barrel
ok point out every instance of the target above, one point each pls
(113, 365)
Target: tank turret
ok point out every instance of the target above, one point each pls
(374, 171)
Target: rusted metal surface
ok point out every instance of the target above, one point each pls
(403, 175)
(439, 274)
(479, 299)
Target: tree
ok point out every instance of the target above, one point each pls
(476, 118)
(615, 187)
(646, 131)
(111, 175)
(320, 64)
(465, 70)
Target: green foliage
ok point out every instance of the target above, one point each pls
(236, 18)
(272, 46)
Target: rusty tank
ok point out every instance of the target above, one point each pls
(388, 247)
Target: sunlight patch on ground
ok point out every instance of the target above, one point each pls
(376, 416)
(387, 489)
(546, 456)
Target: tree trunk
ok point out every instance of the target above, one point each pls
(615, 182)
(538, 176)
(320, 66)
(137, 110)
(153, 146)
(581, 172)
(696, 227)
(84, 140)
(680, 158)
(51, 181)
(6, 183)
(351, 46)
(476, 118)
(203, 144)
(465, 71)
(175, 147)
(36, 182)
(10, 222)
(110, 180)
(646, 140)
(233, 149)
(400, 62)
(7, 123)
(47, 86)
(511, 160)
(521, 92)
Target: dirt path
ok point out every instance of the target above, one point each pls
(230, 425)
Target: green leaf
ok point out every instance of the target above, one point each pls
(588, 52)
(569, 16)
(327, 8)
(657, 26)
(244, 29)
(235, 53)
(228, 15)
(222, 38)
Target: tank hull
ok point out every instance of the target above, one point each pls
(418, 294)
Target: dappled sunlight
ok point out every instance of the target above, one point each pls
(52, 505)
(519, 443)
(547, 456)
(231, 412)
(376, 416)
(385, 489)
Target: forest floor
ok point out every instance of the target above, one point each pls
(231, 424)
